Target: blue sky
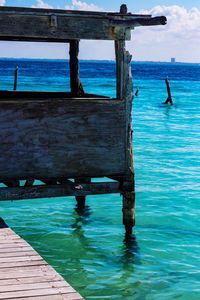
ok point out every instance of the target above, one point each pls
(180, 38)
(113, 5)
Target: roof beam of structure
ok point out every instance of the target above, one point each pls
(28, 24)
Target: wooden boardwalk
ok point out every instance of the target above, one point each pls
(24, 275)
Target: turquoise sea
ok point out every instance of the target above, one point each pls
(162, 260)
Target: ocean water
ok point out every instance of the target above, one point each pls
(162, 260)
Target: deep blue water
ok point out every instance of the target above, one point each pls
(163, 259)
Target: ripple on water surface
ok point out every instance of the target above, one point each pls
(162, 259)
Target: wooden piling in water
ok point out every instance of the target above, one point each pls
(125, 92)
(56, 137)
(16, 78)
(169, 98)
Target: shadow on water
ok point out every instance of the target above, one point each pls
(130, 253)
(95, 262)
(131, 250)
(81, 217)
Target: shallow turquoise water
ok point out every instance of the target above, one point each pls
(162, 261)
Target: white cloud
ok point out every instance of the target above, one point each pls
(182, 23)
(180, 37)
(2, 2)
(79, 5)
(41, 4)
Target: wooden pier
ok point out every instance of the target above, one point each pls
(25, 275)
(64, 140)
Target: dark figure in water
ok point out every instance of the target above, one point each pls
(169, 98)
(137, 92)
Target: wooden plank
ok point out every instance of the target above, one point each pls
(21, 258)
(17, 253)
(47, 139)
(33, 286)
(30, 95)
(39, 292)
(31, 272)
(30, 280)
(38, 27)
(11, 245)
(62, 25)
(25, 276)
(140, 21)
(23, 264)
(14, 249)
(96, 14)
(71, 296)
(13, 241)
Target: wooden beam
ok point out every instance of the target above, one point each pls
(119, 53)
(76, 86)
(28, 24)
(136, 22)
(38, 27)
(128, 195)
(62, 190)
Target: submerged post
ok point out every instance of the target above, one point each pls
(16, 78)
(81, 200)
(169, 98)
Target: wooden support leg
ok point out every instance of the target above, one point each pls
(129, 211)
(81, 199)
(125, 92)
(75, 83)
(81, 202)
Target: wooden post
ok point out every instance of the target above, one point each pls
(169, 98)
(123, 9)
(16, 78)
(119, 52)
(125, 92)
(81, 199)
(76, 86)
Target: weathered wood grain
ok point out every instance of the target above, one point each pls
(75, 83)
(29, 276)
(128, 195)
(125, 92)
(32, 280)
(119, 53)
(141, 21)
(59, 190)
(32, 27)
(10, 265)
(61, 138)
(62, 25)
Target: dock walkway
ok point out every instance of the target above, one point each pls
(25, 275)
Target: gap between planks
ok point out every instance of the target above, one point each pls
(25, 275)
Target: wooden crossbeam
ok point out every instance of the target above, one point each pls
(62, 190)
(49, 25)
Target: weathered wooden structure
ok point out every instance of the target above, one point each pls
(56, 137)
